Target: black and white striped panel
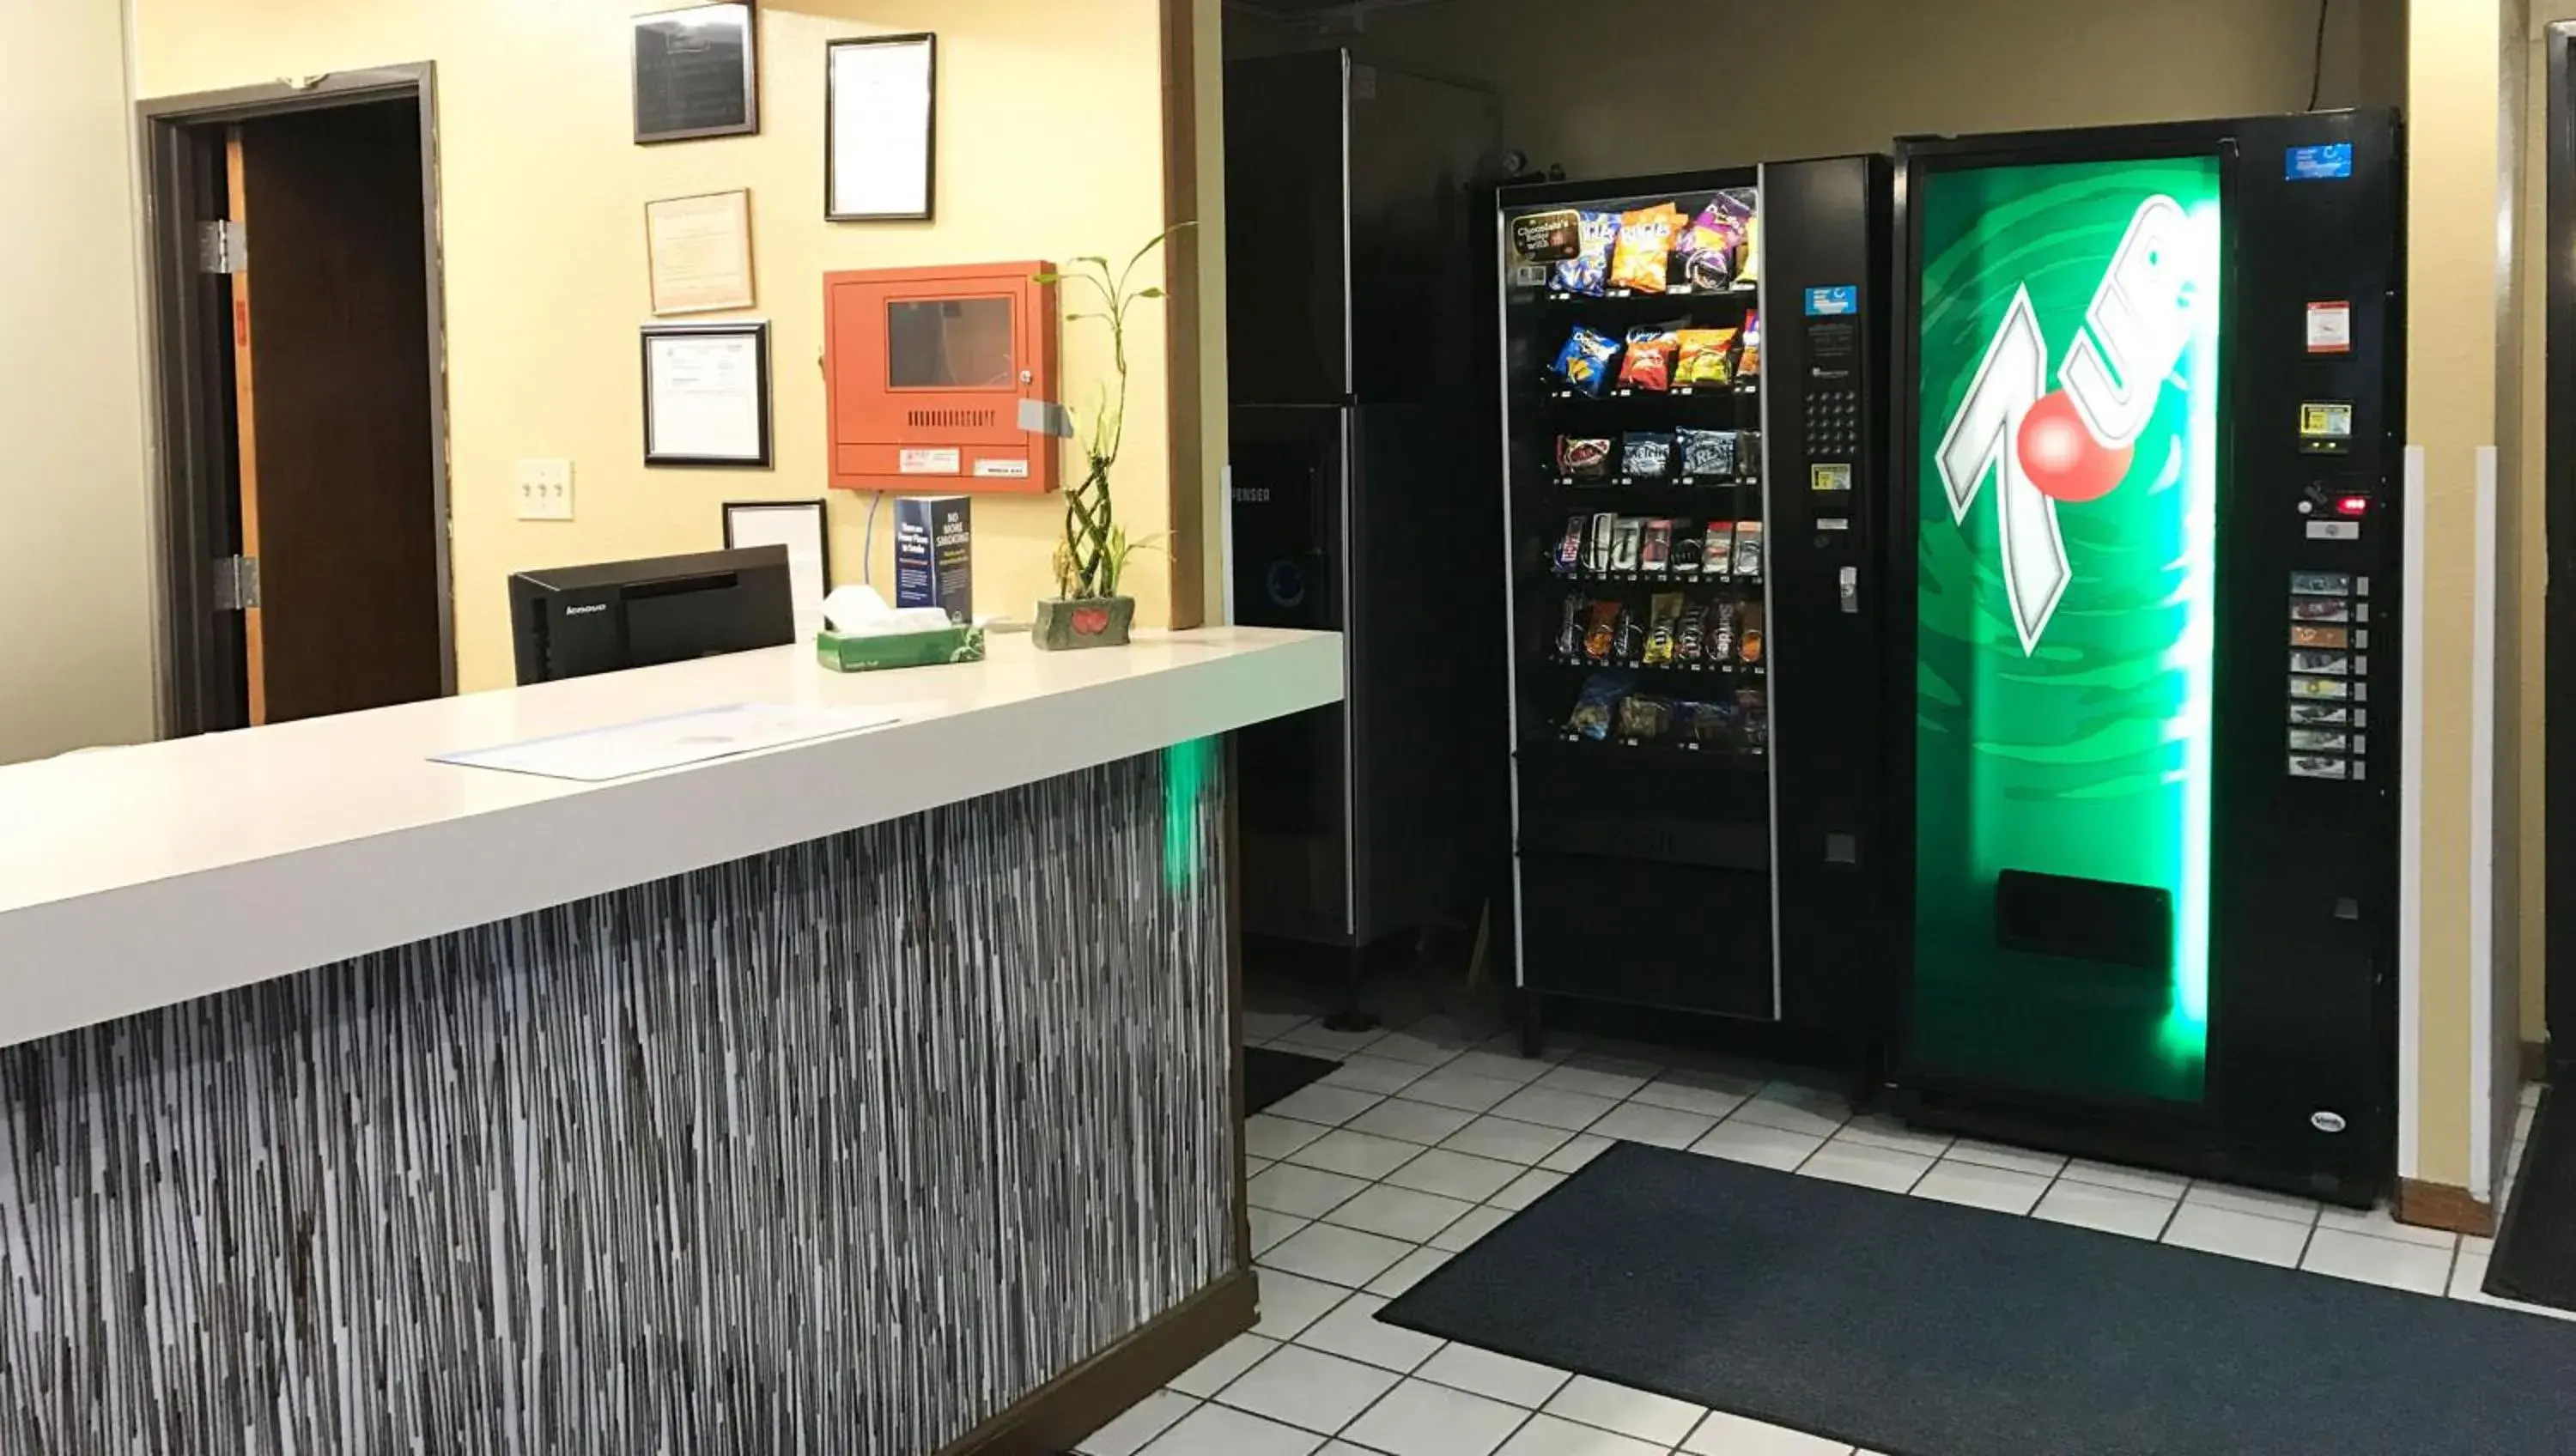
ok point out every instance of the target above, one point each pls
(840, 1149)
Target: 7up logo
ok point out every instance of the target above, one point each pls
(2075, 445)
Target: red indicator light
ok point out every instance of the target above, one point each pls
(2351, 505)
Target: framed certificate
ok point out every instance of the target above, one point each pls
(880, 128)
(697, 73)
(698, 250)
(706, 394)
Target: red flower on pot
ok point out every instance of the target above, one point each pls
(1090, 621)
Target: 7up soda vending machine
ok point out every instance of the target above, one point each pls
(2145, 643)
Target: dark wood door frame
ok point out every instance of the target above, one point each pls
(2559, 472)
(191, 341)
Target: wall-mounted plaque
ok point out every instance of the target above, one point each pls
(880, 128)
(696, 73)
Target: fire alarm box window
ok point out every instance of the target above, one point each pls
(928, 370)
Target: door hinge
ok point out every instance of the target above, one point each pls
(236, 583)
(222, 247)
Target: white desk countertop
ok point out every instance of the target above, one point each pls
(146, 876)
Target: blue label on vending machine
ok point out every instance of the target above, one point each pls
(1831, 302)
(2319, 164)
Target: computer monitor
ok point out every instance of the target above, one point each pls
(578, 620)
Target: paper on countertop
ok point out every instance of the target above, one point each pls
(624, 750)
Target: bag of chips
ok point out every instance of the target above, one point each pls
(1647, 454)
(1644, 719)
(1714, 242)
(1584, 362)
(1705, 725)
(1649, 363)
(1643, 260)
(1583, 458)
(1588, 271)
(1748, 360)
(1707, 358)
(1598, 703)
(1706, 454)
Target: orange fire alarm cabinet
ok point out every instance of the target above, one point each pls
(942, 378)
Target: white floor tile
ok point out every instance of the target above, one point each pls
(2377, 1224)
(1881, 1131)
(1459, 1236)
(1301, 1192)
(1356, 1154)
(1502, 1065)
(1419, 1419)
(2301, 1211)
(1866, 1166)
(2468, 1278)
(1410, 1270)
(1335, 1255)
(1725, 1435)
(1466, 1091)
(1752, 1142)
(1710, 1094)
(1638, 1413)
(1792, 1107)
(1547, 1436)
(2523, 1117)
(1409, 1121)
(1370, 1071)
(2133, 1180)
(1290, 1302)
(1400, 1213)
(1511, 1142)
(1455, 1175)
(2378, 1261)
(2238, 1235)
(1317, 1037)
(1297, 1386)
(1260, 1026)
(1219, 1370)
(1265, 1136)
(1326, 1106)
(1255, 1167)
(1574, 1076)
(2112, 1210)
(1978, 1186)
(1580, 1149)
(1526, 1189)
(2530, 1094)
(1660, 1127)
(1215, 1430)
(1423, 1048)
(1998, 1155)
(1354, 1332)
(1269, 1228)
(1521, 1382)
(1143, 1421)
(1573, 1111)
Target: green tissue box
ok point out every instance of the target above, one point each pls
(900, 649)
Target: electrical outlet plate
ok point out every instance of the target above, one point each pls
(545, 490)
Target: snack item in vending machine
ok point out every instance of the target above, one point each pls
(1597, 703)
(1648, 454)
(1584, 457)
(1644, 718)
(1649, 362)
(1569, 547)
(1600, 630)
(1717, 558)
(1643, 259)
(1663, 622)
(1706, 454)
(1748, 359)
(1588, 271)
(1584, 362)
(1713, 242)
(1569, 633)
(1656, 555)
(1707, 358)
(1748, 549)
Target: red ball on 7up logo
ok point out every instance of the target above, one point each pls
(2076, 444)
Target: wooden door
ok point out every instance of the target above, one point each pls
(338, 494)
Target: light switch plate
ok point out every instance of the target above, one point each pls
(545, 490)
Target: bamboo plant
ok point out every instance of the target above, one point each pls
(1091, 559)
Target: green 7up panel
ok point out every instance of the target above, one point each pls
(2067, 367)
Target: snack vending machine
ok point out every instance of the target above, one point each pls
(1691, 422)
(2145, 673)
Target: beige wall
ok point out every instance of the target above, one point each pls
(76, 655)
(1050, 146)
(1626, 86)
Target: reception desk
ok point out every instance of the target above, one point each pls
(869, 1094)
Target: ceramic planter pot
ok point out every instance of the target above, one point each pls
(1064, 625)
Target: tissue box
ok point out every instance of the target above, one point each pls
(899, 649)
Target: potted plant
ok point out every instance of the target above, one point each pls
(1091, 561)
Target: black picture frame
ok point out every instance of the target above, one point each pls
(756, 330)
(819, 507)
(928, 43)
(696, 73)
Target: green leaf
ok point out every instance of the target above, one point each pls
(1149, 293)
(1093, 258)
(1049, 278)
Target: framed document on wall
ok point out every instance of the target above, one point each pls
(697, 73)
(880, 128)
(698, 250)
(804, 528)
(706, 394)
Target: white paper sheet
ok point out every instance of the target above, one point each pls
(626, 749)
(799, 527)
(705, 396)
(880, 130)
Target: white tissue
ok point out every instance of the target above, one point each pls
(857, 611)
